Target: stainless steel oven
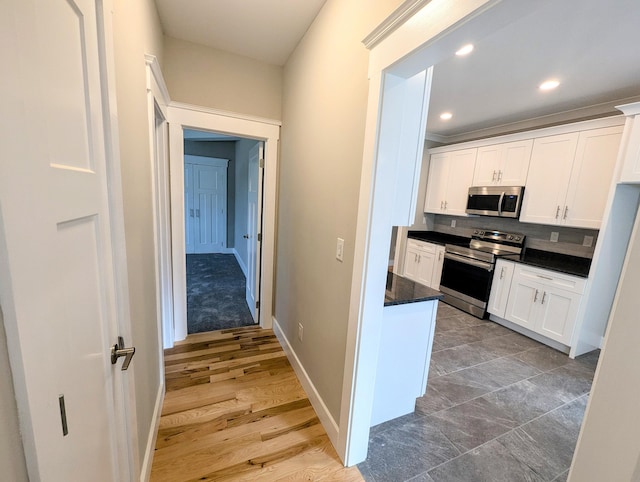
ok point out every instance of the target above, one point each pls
(467, 272)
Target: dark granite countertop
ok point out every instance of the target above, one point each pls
(401, 290)
(563, 263)
(437, 238)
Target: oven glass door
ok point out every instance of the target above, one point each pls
(473, 280)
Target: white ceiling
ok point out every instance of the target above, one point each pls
(265, 30)
(591, 46)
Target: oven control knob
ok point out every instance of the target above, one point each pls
(517, 238)
(481, 233)
(510, 237)
(475, 232)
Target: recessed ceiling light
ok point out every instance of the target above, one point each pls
(446, 115)
(465, 50)
(549, 85)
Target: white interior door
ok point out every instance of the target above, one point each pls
(254, 218)
(205, 204)
(57, 287)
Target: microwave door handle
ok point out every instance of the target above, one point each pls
(500, 203)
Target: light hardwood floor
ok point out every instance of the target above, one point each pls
(234, 410)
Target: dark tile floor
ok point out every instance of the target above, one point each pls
(499, 407)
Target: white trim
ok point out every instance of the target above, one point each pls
(393, 22)
(613, 120)
(182, 116)
(327, 421)
(629, 109)
(225, 113)
(243, 266)
(154, 74)
(147, 462)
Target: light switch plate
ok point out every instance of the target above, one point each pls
(554, 236)
(588, 241)
(340, 249)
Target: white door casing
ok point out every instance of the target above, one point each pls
(254, 226)
(61, 246)
(183, 116)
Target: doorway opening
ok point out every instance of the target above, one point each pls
(222, 199)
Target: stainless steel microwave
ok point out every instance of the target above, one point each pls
(502, 201)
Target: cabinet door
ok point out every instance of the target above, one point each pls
(514, 165)
(437, 182)
(558, 310)
(487, 167)
(500, 288)
(426, 261)
(462, 165)
(437, 268)
(411, 265)
(549, 174)
(591, 177)
(523, 302)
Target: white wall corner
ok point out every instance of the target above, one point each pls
(145, 469)
(327, 421)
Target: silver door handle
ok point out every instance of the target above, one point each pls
(502, 273)
(499, 175)
(119, 350)
(566, 210)
(493, 178)
(441, 204)
(445, 205)
(544, 295)
(535, 296)
(557, 212)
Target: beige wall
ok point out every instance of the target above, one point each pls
(208, 77)
(12, 460)
(324, 107)
(136, 32)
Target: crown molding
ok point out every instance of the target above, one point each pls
(399, 16)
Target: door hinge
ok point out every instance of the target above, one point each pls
(262, 163)
(257, 305)
(259, 237)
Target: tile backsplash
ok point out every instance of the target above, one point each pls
(570, 240)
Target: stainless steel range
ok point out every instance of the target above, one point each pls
(468, 269)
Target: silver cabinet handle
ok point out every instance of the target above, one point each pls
(566, 210)
(493, 178)
(499, 175)
(441, 204)
(535, 296)
(445, 205)
(557, 212)
(544, 295)
(119, 350)
(502, 273)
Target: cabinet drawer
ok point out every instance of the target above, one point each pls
(567, 282)
(422, 245)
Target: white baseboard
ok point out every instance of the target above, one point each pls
(145, 469)
(243, 266)
(318, 404)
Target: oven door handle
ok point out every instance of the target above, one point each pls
(472, 262)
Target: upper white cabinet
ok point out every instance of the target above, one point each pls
(450, 176)
(503, 164)
(570, 176)
(631, 169)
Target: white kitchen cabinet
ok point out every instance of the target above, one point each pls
(570, 176)
(505, 164)
(423, 262)
(502, 277)
(545, 302)
(450, 176)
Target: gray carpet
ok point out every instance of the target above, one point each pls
(215, 293)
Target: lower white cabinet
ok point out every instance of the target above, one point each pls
(500, 287)
(545, 302)
(423, 262)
